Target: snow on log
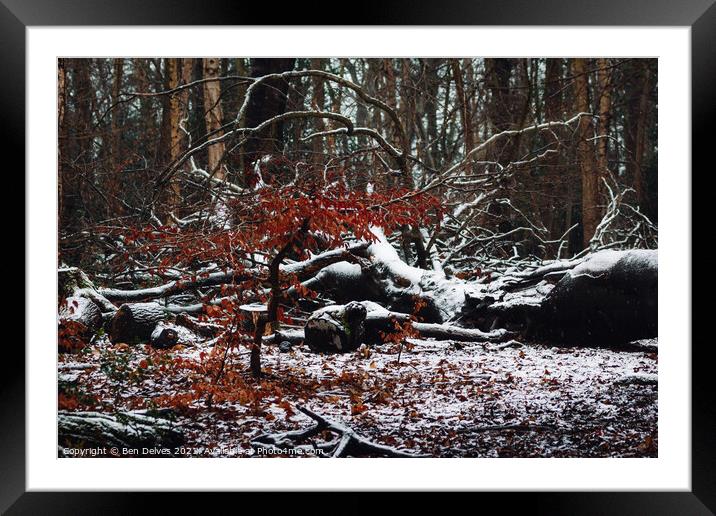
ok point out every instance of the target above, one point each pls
(135, 322)
(164, 337)
(609, 298)
(378, 274)
(122, 430)
(73, 282)
(84, 311)
(336, 328)
(310, 267)
(342, 328)
(379, 320)
(303, 270)
(516, 309)
(638, 379)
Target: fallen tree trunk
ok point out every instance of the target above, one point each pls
(74, 282)
(608, 299)
(380, 320)
(380, 275)
(175, 287)
(82, 311)
(135, 322)
(338, 328)
(122, 430)
(164, 336)
(302, 270)
(524, 301)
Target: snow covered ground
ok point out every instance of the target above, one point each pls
(444, 399)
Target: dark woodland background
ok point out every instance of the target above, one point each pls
(123, 122)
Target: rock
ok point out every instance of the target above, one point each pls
(285, 347)
(336, 329)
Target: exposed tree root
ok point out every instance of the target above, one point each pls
(347, 444)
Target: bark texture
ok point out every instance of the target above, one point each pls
(610, 298)
(122, 430)
(585, 154)
(164, 336)
(336, 329)
(135, 322)
(214, 116)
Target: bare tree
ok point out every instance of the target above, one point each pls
(214, 116)
(585, 153)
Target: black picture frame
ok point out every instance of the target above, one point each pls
(700, 15)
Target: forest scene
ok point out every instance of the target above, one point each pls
(357, 257)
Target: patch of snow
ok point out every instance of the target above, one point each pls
(602, 261)
(221, 216)
(341, 269)
(638, 379)
(383, 252)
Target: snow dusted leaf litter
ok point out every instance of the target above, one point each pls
(443, 399)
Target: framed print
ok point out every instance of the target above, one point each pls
(424, 246)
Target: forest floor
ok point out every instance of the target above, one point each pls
(441, 398)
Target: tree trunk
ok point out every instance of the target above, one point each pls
(605, 106)
(639, 118)
(61, 134)
(214, 117)
(585, 153)
(336, 328)
(114, 187)
(463, 102)
(80, 312)
(267, 101)
(164, 336)
(83, 311)
(407, 100)
(78, 173)
(431, 108)
(318, 100)
(343, 328)
(121, 430)
(135, 322)
(171, 135)
(608, 299)
(175, 134)
(151, 133)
